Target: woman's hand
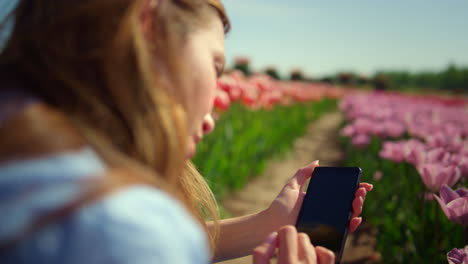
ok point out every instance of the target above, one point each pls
(292, 247)
(284, 210)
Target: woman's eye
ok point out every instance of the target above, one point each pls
(219, 65)
(218, 70)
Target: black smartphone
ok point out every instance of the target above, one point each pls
(327, 207)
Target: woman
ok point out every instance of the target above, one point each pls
(102, 104)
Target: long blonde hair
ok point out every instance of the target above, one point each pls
(91, 65)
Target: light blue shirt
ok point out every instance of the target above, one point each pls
(137, 224)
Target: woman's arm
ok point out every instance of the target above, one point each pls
(240, 235)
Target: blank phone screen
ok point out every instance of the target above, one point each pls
(327, 207)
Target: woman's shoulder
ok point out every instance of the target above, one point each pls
(137, 224)
(134, 224)
(33, 188)
(140, 224)
(43, 164)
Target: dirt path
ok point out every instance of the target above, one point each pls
(320, 143)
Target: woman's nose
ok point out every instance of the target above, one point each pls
(208, 124)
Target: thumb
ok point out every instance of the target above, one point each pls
(263, 253)
(303, 174)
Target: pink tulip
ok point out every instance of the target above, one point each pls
(361, 140)
(377, 176)
(458, 256)
(437, 140)
(452, 131)
(435, 175)
(347, 131)
(464, 150)
(454, 204)
(456, 160)
(394, 129)
(363, 125)
(437, 155)
(415, 152)
(392, 151)
(380, 130)
(463, 165)
(455, 144)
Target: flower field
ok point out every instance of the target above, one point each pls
(257, 118)
(414, 149)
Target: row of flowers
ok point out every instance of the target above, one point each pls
(263, 92)
(429, 133)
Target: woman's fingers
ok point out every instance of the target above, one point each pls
(361, 192)
(359, 199)
(367, 186)
(288, 251)
(357, 206)
(306, 250)
(354, 223)
(324, 256)
(263, 253)
(302, 175)
(293, 247)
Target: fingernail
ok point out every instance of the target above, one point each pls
(271, 238)
(315, 162)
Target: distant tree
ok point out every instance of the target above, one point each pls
(362, 80)
(381, 82)
(464, 81)
(451, 78)
(297, 75)
(454, 78)
(398, 79)
(272, 72)
(327, 79)
(242, 63)
(346, 78)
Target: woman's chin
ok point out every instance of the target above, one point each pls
(191, 150)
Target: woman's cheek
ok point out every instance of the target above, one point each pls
(213, 85)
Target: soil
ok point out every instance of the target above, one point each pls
(319, 142)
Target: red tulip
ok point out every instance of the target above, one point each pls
(222, 100)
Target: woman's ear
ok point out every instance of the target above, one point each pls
(147, 14)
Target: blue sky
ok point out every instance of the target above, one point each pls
(323, 37)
